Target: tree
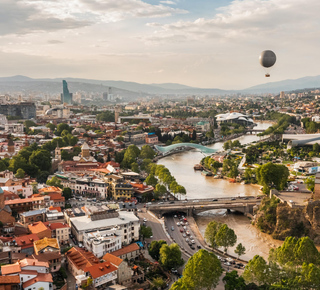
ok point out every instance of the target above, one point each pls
(232, 281)
(226, 237)
(211, 232)
(240, 250)
(151, 180)
(271, 174)
(306, 252)
(67, 193)
(202, 271)
(51, 126)
(160, 189)
(170, 256)
(158, 283)
(310, 181)
(145, 232)
(54, 181)
(256, 271)
(310, 276)
(2, 165)
(42, 159)
(147, 152)
(135, 167)
(17, 162)
(130, 156)
(20, 173)
(236, 143)
(194, 135)
(154, 249)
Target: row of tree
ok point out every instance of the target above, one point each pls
(161, 179)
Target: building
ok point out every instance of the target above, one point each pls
(118, 189)
(11, 282)
(234, 117)
(151, 138)
(316, 195)
(5, 211)
(126, 222)
(33, 274)
(46, 245)
(124, 272)
(102, 242)
(60, 231)
(129, 252)
(30, 217)
(102, 274)
(66, 96)
(24, 110)
(52, 258)
(40, 230)
(26, 243)
(79, 259)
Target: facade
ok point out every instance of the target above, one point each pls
(126, 222)
(40, 230)
(118, 189)
(151, 138)
(30, 217)
(102, 274)
(129, 252)
(60, 231)
(124, 272)
(102, 242)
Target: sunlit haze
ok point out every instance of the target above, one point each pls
(209, 44)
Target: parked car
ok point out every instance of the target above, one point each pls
(184, 235)
(172, 228)
(178, 224)
(199, 247)
(181, 230)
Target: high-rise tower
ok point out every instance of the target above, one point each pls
(66, 96)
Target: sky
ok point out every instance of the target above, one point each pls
(200, 43)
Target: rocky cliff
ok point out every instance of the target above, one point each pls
(281, 221)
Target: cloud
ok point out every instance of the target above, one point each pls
(120, 9)
(247, 18)
(20, 17)
(168, 2)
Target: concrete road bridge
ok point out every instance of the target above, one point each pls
(301, 139)
(176, 147)
(193, 207)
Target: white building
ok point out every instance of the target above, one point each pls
(234, 117)
(102, 242)
(126, 222)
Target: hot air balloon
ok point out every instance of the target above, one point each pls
(267, 60)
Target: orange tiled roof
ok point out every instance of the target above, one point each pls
(53, 226)
(32, 262)
(41, 277)
(15, 279)
(58, 208)
(56, 196)
(10, 269)
(100, 269)
(126, 250)
(37, 227)
(26, 241)
(81, 258)
(112, 259)
(50, 189)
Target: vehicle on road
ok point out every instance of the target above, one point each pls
(161, 202)
(184, 227)
(181, 230)
(175, 216)
(178, 224)
(171, 202)
(233, 198)
(187, 240)
(193, 242)
(192, 247)
(188, 233)
(184, 235)
(145, 220)
(240, 264)
(227, 264)
(139, 210)
(174, 271)
(195, 200)
(214, 199)
(199, 247)
(172, 228)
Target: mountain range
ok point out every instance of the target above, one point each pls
(133, 90)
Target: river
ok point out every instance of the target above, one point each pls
(198, 186)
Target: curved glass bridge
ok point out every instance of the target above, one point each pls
(170, 148)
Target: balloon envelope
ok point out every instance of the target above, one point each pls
(267, 58)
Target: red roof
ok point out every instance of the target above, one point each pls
(126, 250)
(26, 241)
(100, 269)
(15, 279)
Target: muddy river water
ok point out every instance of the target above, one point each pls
(199, 186)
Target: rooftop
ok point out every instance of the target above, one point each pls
(101, 269)
(126, 250)
(46, 242)
(41, 277)
(37, 227)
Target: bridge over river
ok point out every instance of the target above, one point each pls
(193, 207)
(170, 148)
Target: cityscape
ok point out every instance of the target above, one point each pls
(159, 145)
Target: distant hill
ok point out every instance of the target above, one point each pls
(133, 90)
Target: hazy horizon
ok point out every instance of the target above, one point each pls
(206, 44)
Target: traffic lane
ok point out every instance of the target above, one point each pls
(157, 230)
(178, 236)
